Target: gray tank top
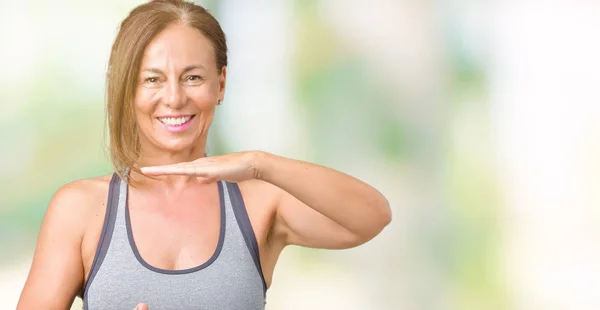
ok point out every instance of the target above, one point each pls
(230, 279)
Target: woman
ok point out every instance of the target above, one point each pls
(171, 228)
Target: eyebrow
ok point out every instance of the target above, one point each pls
(186, 69)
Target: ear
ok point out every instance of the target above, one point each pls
(222, 82)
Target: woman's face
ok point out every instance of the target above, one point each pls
(178, 88)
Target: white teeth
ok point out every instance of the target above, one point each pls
(174, 121)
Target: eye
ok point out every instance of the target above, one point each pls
(194, 78)
(151, 79)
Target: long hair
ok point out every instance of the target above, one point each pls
(135, 33)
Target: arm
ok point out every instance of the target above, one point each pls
(316, 206)
(321, 207)
(56, 274)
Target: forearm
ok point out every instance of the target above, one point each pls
(346, 200)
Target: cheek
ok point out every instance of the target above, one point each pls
(203, 101)
(143, 109)
(205, 96)
(144, 101)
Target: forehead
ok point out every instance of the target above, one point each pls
(179, 46)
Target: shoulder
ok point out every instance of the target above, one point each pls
(73, 204)
(255, 190)
(56, 273)
(76, 194)
(261, 200)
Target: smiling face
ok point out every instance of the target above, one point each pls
(178, 87)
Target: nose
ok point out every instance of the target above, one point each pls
(174, 96)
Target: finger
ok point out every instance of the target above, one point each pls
(207, 180)
(141, 307)
(179, 169)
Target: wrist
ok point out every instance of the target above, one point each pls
(261, 164)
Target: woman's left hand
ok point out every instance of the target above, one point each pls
(234, 167)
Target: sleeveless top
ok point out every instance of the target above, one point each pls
(230, 279)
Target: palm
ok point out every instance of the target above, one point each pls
(234, 167)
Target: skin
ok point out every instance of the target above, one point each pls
(318, 207)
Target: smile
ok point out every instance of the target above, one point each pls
(176, 123)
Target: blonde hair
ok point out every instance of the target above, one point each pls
(135, 33)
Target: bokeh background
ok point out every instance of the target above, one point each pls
(479, 120)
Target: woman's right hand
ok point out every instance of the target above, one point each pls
(141, 307)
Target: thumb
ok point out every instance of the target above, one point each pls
(141, 307)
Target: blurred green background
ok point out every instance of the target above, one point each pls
(478, 121)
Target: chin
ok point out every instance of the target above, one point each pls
(178, 145)
(168, 142)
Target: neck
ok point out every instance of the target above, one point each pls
(160, 157)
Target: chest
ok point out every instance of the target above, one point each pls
(182, 231)
(177, 276)
(221, 286)
(175, 232)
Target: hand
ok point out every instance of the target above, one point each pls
(141, 307)
(234, 167)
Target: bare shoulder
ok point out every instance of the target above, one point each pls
(75, 203)
(79, 197)
(258, 193)
(76, 212)
(56, 275)
(261, 199)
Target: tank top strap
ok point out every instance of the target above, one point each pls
(245, 226)
(110, 216)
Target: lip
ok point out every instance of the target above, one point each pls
(175, 115)
(179, 128)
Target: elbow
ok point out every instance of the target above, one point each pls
(387, 218)
(382, 212)
(380, 218)
(384, 216)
